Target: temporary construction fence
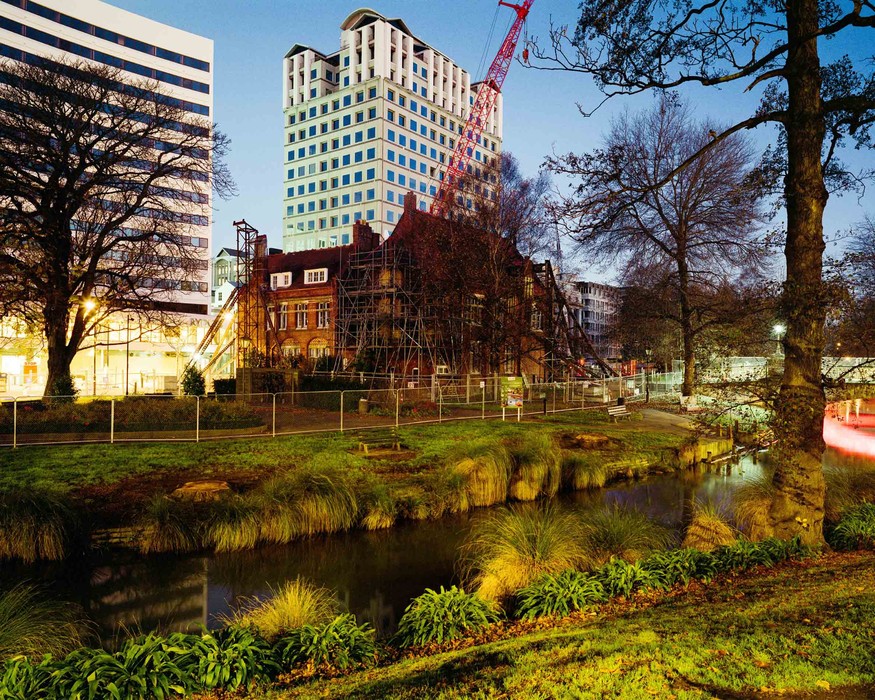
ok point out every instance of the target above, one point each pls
(122, 419)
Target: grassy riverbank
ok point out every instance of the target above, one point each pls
(800, 630)
(292, 486)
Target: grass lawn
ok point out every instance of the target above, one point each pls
(801, 630)
(71, 467)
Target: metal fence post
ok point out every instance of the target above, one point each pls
(273, 421)
(502, 413)
(111, 421)
(15, 422)
(519, 413)
(483, 403)
(397, 406)
(341, 411)
(197, 418)
(440, 404)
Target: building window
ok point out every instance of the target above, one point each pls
(322, 314)
(280, 280)
(300, 316)
(316, 276)
(283, 320)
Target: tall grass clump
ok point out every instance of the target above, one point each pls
(537, 463)
(33, 625)
(509, 549)
(486, 468)
(292, 605)
(581, 471)
(304, 502)
(439, 616)
(169, 525)
(751, 502)
(856, 529)
(621, 532)
(35, 524)
(234, 524)
(378, 509)
(446, 492)
(847, 487)
(708, 529)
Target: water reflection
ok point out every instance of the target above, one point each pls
(375, 574)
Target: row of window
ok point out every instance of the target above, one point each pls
(310, 243)
(312, 112)
(333, 144)
(335, 124)
(345, 180)
(32, 59)
(331, 202)
(301, 315)
(174, 285)
(114, 37)
(279, 280)
(100, 57)
(335, 221)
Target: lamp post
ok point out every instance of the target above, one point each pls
(128, 355)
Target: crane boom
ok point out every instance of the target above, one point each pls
(483, 105)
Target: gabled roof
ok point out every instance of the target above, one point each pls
(297, 262)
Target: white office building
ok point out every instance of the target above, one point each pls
(365, 124)
(181, 64)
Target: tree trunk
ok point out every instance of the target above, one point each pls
(59, 359)
(798, 505)
(61, 350)
(688, 387)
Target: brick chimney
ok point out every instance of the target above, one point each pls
(364, 237)
(409, 202)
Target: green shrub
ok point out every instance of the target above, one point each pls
(294, 604)
(620, 578)
(193, 383)
(32, 625)
(338, 644)
(35, 524)
(621, 532)
(856, 529)
(512, 547)
(231, 658)
(21, 679)
(680, 566)
(559, 594)
(225, 387)
(741, 556)
(142, 669)
(439, 616)
(537, 467)
(64, 388)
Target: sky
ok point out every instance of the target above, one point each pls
(541, 113)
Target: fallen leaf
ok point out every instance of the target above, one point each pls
(761, 664)
(823, 684)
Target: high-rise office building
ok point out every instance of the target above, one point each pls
(365, 124)
(125, 355)
(180, 64)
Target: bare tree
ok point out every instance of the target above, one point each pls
(631, 47)
(684, 235)
(101, 184)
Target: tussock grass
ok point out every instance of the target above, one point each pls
(709, 528)
(621, 532)
(291, 606)
(32, 625)
(169, 525)
(847, 487)
(233, 524)
(486, 468)
(583, 471)
(511, 548)
(446, 492)
(751, 502)
(412, 503)
(35, 524)
(379, 508)
(537, 467)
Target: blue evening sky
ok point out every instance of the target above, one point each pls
(540, 112)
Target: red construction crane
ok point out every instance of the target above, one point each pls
(480, 112)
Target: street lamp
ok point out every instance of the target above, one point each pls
(128, 356)
(779, 329)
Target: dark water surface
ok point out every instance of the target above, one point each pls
(374, 573)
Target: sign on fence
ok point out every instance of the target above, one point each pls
(512, 391)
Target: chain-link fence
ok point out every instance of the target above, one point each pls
(393, 403)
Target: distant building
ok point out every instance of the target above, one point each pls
(365, 124)
(597, 307)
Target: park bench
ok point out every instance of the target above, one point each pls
(377, 437)
(617, 412)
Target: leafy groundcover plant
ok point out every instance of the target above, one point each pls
(439, 616)
(340, 644)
